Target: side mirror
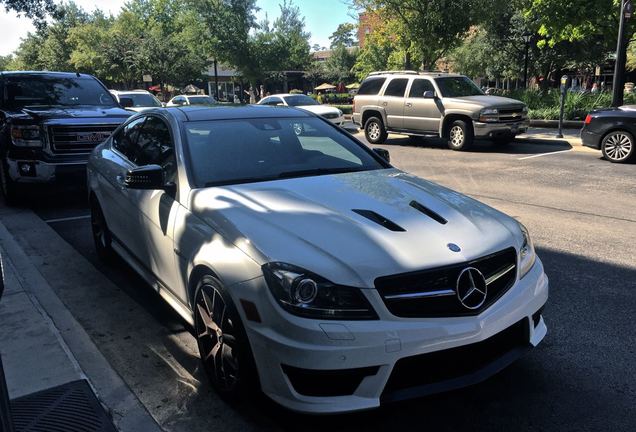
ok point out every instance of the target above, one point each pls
(147, 177)
(126, 102)
(383, 153)
(429, 94)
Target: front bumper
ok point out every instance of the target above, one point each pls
(38, 171)
(494, 130)
(288, 350)
(339, 121)
(591, 139)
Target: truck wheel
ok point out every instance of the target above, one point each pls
(619, 147)
(460, 135)
(374, 131)
(9, 187)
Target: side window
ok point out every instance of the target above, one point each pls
(396, 87)
(178, 100)
(371, 86)
(420, 86)
(155, 146)
(126, 138)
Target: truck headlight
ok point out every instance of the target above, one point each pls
(26, 136)
(489, 115)
(527, 255)
(308, 295)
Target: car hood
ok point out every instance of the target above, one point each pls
(487, 101)
(319, 109)
(310, 222)
(76, 112)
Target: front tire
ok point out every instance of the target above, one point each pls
(374, 131)
(8, 186)
(222, 341)
(460, 135)
(101, 235)
(619, 147)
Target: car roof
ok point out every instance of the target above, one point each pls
(46, 73)
(408, 74)
(232, 112)
(286, 94)
(129, 91)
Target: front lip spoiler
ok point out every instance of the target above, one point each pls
(458, 382)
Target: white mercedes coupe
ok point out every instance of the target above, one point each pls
(308, 266)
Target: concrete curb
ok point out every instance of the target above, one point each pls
(567, 124)
(126, 410)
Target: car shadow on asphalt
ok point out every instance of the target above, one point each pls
(521, 146)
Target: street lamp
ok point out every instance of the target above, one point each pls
(527, 38)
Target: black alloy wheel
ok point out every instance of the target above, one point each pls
(101, 235)
(7, 184)
(222, 341)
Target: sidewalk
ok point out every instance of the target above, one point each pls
(38, 356)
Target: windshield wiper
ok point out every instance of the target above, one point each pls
(317, 171)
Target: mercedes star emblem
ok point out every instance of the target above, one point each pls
(471, 288)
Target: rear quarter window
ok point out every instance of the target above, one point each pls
(371, 86)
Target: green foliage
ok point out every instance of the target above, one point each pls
(346, 109)
(344, 35)
(37, 10)
(5, 62)
(340, 65)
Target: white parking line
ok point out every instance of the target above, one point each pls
(66, 219)
(546, 154)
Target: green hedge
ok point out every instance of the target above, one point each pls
(334, 98)
(346, 109)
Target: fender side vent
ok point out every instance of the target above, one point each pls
(379, 219)
(428, 212)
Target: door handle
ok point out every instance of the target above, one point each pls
(408, 104)
(121, 182)
(384, 103)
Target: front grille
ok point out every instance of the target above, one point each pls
(78, 139)
(456, 367)
(431, 293)
(511, 114)
(330, 115)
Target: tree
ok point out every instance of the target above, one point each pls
(5, 62)
(344, 35)
(37, 10)
(340, 65)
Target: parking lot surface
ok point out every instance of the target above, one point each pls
(581, 213)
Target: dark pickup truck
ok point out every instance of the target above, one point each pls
(49, 124)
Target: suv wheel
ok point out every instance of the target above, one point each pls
(618, 147)
(9, 187)
(460, 135)
(222, 341)
(374, 131)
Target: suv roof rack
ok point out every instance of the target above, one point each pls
(390, 72)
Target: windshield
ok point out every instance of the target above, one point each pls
(300, 100)
(201, 100)
(141, 99)
(42, 90)
(457, 87)
(225, 152)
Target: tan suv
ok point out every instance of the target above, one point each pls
(429, 103)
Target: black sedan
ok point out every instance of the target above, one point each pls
(612, 131)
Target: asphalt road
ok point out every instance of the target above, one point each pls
(581, 212)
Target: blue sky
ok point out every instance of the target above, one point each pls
(321, 18)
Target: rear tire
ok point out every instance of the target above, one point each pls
(101, 235)
(374, 131)
(223, 345)
(460, 135)
(619, 147)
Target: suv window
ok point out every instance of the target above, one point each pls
(420, 86)
(155, 146)
(396, 87)
(126, 138)
(371, 86)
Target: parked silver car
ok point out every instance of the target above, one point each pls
(450, 106)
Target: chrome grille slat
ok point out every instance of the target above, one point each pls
(67, 139)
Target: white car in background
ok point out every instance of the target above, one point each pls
(334, 115)
(140, 100)
(185, 100)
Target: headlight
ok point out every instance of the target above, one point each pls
(527, 256)
(26, 136)
(489, 114)
(308, 295)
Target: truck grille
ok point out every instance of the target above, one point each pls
(431, 293)
(511, 114)
(78, 139)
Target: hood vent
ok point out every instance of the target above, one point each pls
(428, 212)
(379, 219)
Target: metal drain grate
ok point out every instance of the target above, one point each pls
(71, 407)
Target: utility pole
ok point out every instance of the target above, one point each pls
(621, 54)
